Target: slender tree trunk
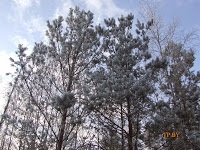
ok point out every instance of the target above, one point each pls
(64, 115)
(137, 132)
(61, 135)
(130, 125)
(98, 140)
(122, 125)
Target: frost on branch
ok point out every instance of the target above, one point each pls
(63, 102)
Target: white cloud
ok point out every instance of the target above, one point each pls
(104, 8)
(35, 24)
(23, 4)
(20, 40)
(37, 2)
(20, 8)
(63, 9)
(95, 5)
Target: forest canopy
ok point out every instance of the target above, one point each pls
(115, 86)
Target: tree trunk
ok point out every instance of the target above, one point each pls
(122, 125)
(64, 115)
(130, 125)
(137, 132)
(62, 130)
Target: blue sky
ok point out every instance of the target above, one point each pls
(24, 21)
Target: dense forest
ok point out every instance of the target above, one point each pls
(112, 86)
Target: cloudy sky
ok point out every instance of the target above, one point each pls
(24, 21)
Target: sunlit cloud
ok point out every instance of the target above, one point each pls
(104, 9)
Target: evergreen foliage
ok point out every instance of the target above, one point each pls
(100, 87)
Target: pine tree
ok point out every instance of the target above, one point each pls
(179, 110)
(45, 111)
(123, 80)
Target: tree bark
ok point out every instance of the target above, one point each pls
(130, 125)
(122, 124)
(64, 115)
(61, 135)
(137, 132)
